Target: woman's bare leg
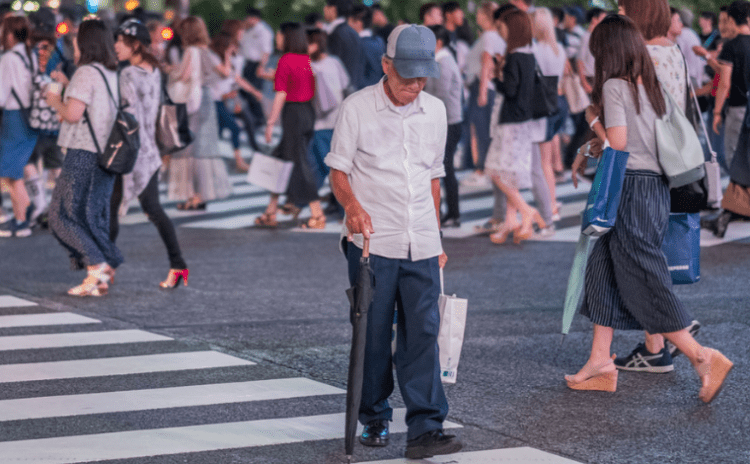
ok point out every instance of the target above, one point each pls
(600, 352)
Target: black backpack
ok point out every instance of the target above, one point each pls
(123, 143)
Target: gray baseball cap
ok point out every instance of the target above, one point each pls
(412, 49)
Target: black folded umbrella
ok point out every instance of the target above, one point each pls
(360, 297)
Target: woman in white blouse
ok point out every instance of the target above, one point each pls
(17, 140)
(80, 208)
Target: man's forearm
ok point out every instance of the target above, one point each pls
(342, 189)
(436, 197)
(722, 93)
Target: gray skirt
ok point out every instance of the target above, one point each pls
(628, 285)
(200, 168)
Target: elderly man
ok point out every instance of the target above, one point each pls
(386, 162)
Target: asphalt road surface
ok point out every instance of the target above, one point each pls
(248, 364)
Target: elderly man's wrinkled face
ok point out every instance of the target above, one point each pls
(401, 91)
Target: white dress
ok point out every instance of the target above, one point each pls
(509, 155)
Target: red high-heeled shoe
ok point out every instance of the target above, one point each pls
(174, 278)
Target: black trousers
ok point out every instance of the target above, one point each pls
(248, 119)
(149, 200)
(256, 108)
(450, 181)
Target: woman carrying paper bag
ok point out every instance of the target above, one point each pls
(628, 285)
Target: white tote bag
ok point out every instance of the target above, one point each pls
(451, 335)
(679, 149)
(270, 173)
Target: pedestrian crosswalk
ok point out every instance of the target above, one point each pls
(57, 445)
(248, 202)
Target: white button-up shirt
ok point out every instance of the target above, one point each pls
(15, 74)
(391, 157)
(256, 42)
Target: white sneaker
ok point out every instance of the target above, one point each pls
(547, 232)
(5, 216)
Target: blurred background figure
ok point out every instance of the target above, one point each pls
(431, 14)
(373, 47)
(256, 47)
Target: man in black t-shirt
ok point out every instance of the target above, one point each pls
(734, 61)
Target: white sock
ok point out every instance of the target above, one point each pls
(35, 188)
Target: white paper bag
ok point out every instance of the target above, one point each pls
(270, 173)
(451, 335)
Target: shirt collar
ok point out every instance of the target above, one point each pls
(365, 33)
(335, 23)
(442, 53)
(383, 102)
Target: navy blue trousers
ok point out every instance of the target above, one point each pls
(413, 287)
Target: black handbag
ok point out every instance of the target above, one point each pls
(172, 125)
(123, 143)
(545, 101)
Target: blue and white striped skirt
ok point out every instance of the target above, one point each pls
(628, 285)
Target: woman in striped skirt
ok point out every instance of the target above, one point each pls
(628, 285)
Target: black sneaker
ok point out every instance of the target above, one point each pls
(375, 433)
(693, 328)
(642, 360)
(13, 229)
(432, 443)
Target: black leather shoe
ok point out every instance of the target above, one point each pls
(432, 443)
(375, 433)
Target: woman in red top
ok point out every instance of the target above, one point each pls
(295, 87)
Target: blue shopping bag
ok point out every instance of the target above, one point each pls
(682, 247)
(604, 197)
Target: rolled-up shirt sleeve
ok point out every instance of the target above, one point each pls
(438, 166)
(344, 142)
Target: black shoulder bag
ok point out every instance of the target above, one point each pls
(545, 101)
(172, 124)
(122, 147)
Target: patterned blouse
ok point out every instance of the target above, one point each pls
(670, 70)
(141, 90)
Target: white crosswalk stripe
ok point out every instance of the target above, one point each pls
(32, 320)
(248, 202)
(125, 365)
(162, 398)
(7, 301)
(77, 445)
(177, 440)
(501, 456)
(109, 337)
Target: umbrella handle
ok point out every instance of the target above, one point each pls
(366, 248)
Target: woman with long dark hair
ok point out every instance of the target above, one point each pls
(628, 285)
(509, 159)
(295, 87)
(140, 86)
(79, 212)
(17, 139)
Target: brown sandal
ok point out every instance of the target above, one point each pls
(266, 220)
(290, 210)
(315, 223)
